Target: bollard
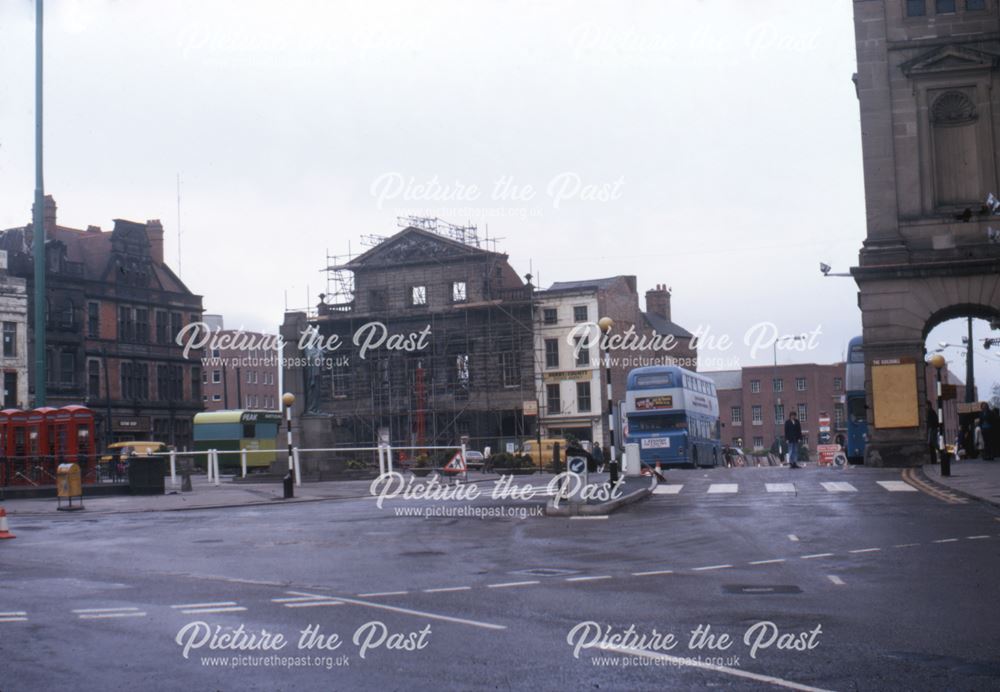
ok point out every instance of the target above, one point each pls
(243, 461)
(288, 486)
(186, 482)
(215, 463)
(173, 468)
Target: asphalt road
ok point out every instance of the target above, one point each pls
(868, 586)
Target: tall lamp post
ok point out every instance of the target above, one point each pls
(605, 324)
(288, 399)
(774, 387)
(937, 360)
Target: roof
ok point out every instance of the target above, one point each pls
(236, 416)
(586, 285)
(726, 379)
(455, 248)
(664, 326)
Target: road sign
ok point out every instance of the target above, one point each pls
(827, 453)
(577, 464)
(530, 408)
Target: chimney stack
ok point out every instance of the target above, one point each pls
(658, 301)
(154, 233)
(48, 214)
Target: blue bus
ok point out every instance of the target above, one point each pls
(673, 415)
(857, 410)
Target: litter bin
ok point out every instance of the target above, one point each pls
(145, 475)
(69, 486)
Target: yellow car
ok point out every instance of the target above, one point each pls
(133, 448)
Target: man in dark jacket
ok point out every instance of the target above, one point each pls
(933, 428)
(793, 436)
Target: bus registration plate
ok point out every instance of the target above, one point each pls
(655, 442)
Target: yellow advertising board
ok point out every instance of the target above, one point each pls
(894, 394)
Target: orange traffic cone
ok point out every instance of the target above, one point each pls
(4, 529)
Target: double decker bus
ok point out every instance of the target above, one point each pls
(673, 415)
(854, 398)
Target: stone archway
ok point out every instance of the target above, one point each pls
(900, 306)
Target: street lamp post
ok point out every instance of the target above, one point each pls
(288, 399)
(605, 324)
(937, 360)
(774, 387)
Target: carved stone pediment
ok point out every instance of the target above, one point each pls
(415, 246)
(950, 59)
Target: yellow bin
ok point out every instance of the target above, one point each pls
(69, 485)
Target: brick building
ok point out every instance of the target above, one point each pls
(14, 326)
(570, 372)
(243, 375)
(114, 310)
(755, 402)
(433, 344)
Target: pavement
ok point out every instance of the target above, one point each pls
(974, 478)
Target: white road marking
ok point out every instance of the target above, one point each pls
(13, 614)
(835, 579)
(810, 557)
(594, 516)
(13, 619)
(694, 663)
(653, 573)
(588, 578)
(102, 616)
(975, 538)
(220, 604)
(897, 486)
(705, 569)
(793, 537)
(382, 593)
(905, 545)
(780, 487)
(945, 540)
(667, 489)
(508, 584)
(102, 610)
(767, 562)
(865, 550)
(839, 487)
(206, 611)
(724, 488)
(425, 614)
(313, 604)
(448, 589)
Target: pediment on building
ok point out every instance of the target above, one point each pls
(415, 246)
(950, 59)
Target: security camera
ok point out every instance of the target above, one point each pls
(825, 268)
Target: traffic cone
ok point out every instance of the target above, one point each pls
(4, 529)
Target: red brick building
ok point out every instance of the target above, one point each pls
(240, 377)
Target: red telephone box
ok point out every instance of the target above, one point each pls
(72, 432)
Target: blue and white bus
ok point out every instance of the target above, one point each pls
(854, 398)
(673, 415)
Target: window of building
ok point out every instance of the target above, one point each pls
(779, 384)
(216, 397)
(552, 397)
(10, 339)
(140, 377)
(142, 325)
(126, 327)
(249, 376)
(944, 6)
(737, 415)
(216, 376)
(580, 313)
(458, 294)
(582, 396)
(582, 352)
(255, 377)
(779, 412)
(93, 320)
(800, 384)
(509, 369)
(755, 386)
(418, 295)
(552, 353)
(93, 379)
(550, 315)
(176, 382)
(838, 384)
(758, 443)
(175, 325)
(161, 327)
(838, 415)
(162, 383)
(127, 390)
(973, 5)
(803, 412)
(916, 8)
(757, 415)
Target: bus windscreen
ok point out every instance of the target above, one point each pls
(659, 423)
(662, 379)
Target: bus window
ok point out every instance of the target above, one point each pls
(249, 430)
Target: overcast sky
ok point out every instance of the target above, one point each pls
(710, 145)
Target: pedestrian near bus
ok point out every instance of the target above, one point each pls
(793, 436)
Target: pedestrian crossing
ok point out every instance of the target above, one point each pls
(830, 487)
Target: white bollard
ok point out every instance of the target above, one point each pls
(465, 465)
(298, 469)
(215, 466)
(208, 465)
(381, 460)
(388, 458)
(173, 468)
(243, 461)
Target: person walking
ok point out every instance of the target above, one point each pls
(933, 425)
(793, 437)
(598, 455)
(986, 428)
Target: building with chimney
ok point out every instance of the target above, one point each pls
(242, 372)
(114, 311)
(571, 375)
